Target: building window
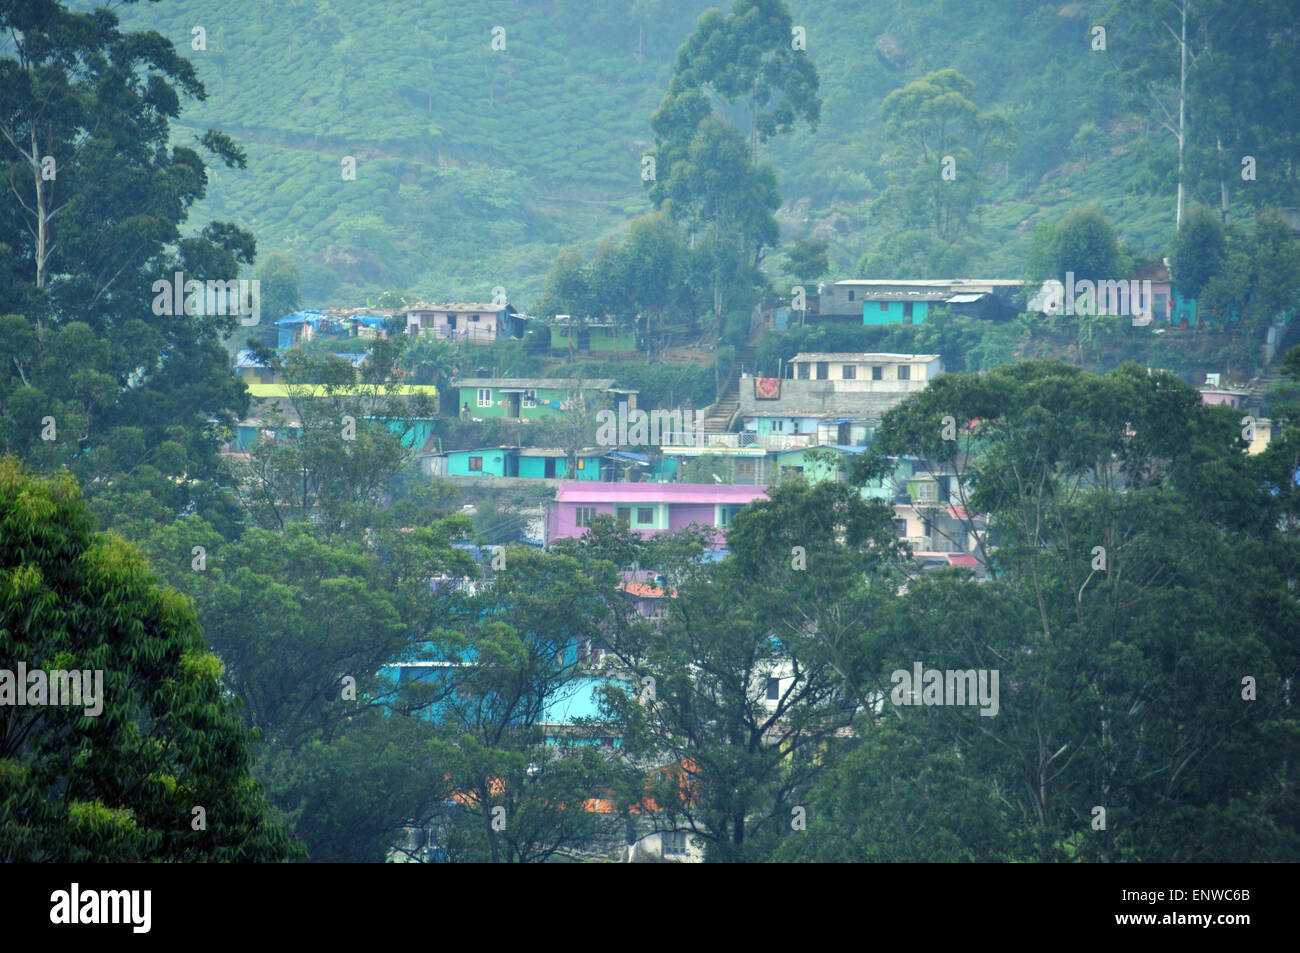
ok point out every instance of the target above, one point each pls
(823, 370)
(485, 396)
(585, 515)
(645, 515)
(900, 528)
(582, 463)
(778, 426)
(877, 373)
(746, 469)
(884, 306)
(848, 372)
(803, 371)
(850, 294)
(530, 398)
(773, 689)
(624, 515)
(476, 464)
(674, 843)
(904, 372)
(726, 513)
(926, 492)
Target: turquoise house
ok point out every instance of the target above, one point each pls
(814, 469)
(552, 463)
(540, 463)
(492, 461)
(895, 312)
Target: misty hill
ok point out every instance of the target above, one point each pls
(475, 166)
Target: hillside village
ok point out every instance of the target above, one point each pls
(808, 416)
(662, 469)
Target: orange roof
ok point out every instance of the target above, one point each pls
(644, 590)
(604, 805)
(495, 787)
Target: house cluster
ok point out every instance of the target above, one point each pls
(1148, 294)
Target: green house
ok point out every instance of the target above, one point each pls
(523, 398)
(592, 337)
(813, 467)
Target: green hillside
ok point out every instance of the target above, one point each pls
(475, 166)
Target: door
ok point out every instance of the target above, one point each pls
(512, 406)
(550, 468)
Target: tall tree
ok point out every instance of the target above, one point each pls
(751, 56)
(759, 663)
(943, 150)
(124, 776)
(92, 220)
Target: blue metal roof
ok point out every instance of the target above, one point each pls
(627, 455)
(299, 317)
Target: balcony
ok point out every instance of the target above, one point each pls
(741, 441)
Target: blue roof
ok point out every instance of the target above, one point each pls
(300, 317)
(627, 455)
(316, 318)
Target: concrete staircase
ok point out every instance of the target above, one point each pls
(720, 418)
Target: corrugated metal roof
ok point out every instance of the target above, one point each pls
(489, 308)
(849, 358)
(537, 383)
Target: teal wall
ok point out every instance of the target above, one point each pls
(535, 468)
(873, 313)
(413, 437)
(883, 488)
(813, 471)
(246, 435)
(1181, 309)
(494, 462)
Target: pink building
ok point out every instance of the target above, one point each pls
(1224, 396)
(646, 507)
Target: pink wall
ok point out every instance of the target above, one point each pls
(687, 503)
(1220, 397)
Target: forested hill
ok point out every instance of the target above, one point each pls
(475, 166)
